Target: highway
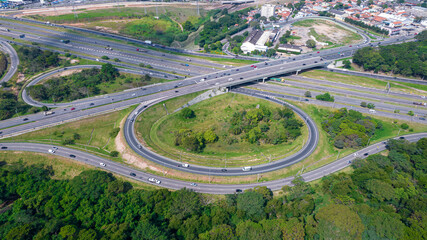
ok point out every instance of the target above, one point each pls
(125, 170)
(14, 60)
(348, 97)
(150, 95)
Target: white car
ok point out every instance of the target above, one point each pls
(151, 179)
(185, 165)
(51, 151)
(102, 164)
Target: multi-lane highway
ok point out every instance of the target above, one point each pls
(212, 76)
(14, 60)
(124, 170)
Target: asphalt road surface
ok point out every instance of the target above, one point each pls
(13, 65)
(124, 170)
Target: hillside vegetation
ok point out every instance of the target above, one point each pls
(384, 197)
(407, 59)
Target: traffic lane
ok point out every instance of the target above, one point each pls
(346, 100)
(344, 85)
(222, 79)
(14, 61)
(309, 147)
(202, 187)
(339, 105)
(103, 43)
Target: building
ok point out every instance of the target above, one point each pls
(268, 10)
(256, 41)
(289, 48)
(339, 15)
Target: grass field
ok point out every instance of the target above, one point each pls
(361, 81)
(214, 114)
(94, 133)
(350, 36)
(63, 168)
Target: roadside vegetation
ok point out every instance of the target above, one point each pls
(88, 82)
(406, 59)
(3, 64)
(362, 81)
(95, 135)
(382, 197)
(229, 129)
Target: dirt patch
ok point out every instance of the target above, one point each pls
(127, 154)
(21, 77)
(64, 73)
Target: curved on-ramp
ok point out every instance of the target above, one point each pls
(13, 65)
(308, 148)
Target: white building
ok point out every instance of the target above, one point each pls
(268, 10)
(256, 41)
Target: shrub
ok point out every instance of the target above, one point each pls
(325, 97)
(371, 106)
(404, 126)
(114, 132)
(68, 141)
(105, 57)
(307, 94)
(76, 136)
(114, 154)
(187, 113)
(363, 104)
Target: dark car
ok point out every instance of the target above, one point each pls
(73, 156)
(303, 64)
(402, 138)
(133, 174)
(238, 190)
(1, 132)
(365, 154)
(223, 170)
(25, 119)
(176, 91)
(3, 147)
(175, 86)
(421, 118)
(91, 104)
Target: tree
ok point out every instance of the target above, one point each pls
(219, 232)
(347, 63)
(404, 126)
(188, 26)
(252, 205)
(210, 136)
(325, 97)
(147, 231)
(307, 94)
(370, 106)
(187, 113)
(114, 154)
(310, 43)
(339, 222)
(363, 104)
(411, 113)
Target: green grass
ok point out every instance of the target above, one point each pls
(63, 168)
(360, 81)
(94, 133)
(311, 23)
(215, 113)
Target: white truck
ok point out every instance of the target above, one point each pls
(47, 113)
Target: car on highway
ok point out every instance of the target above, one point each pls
(73, 109)
(365, 154)
(132, 174)
(102, 164)
(401, 137)
(223, 170)
(91, 104)
(3, 147)
(51, 151)
(421, 118)
(246, 169)
(186, 165)
(153, 180)
(25, 119)
(73, 156)
(193, 184)
(318, 52)
(350, 46)
(252, 65)
(239, 190)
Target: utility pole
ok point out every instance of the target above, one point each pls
(74, 9)
(198, 10)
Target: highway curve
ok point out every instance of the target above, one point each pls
(4, 45)
(141, 176)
